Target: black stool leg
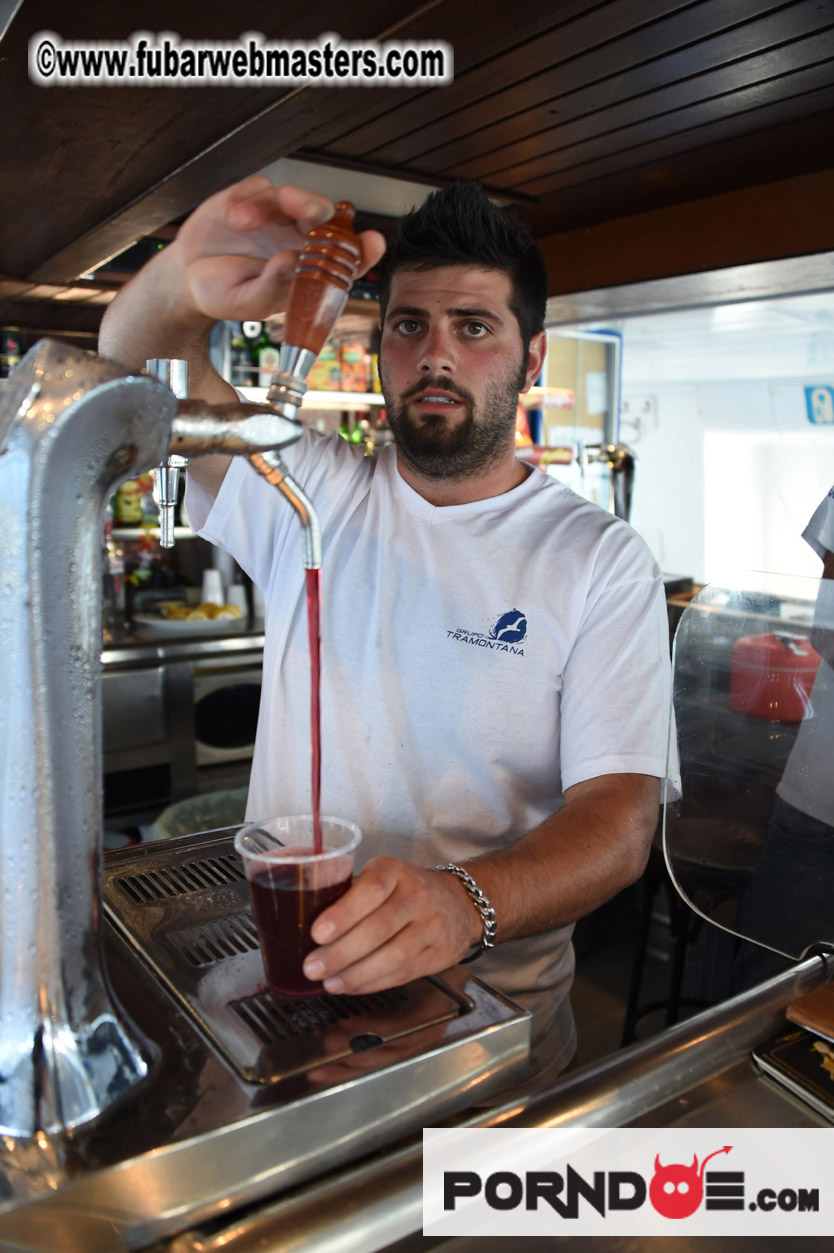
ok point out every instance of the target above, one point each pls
(685, 927)
(650, 884)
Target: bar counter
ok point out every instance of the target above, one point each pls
(129, 649)
(302, 1176)
(697, 1074)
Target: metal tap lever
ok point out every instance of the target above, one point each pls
(319, 290)
(174, 373)
(237, 428)
(620, 460)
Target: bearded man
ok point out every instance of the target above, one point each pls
(495, 669)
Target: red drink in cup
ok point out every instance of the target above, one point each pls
(290, 884)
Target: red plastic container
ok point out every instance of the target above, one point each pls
(772, 676)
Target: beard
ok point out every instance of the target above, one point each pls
(439, 446)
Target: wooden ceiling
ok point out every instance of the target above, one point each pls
(582, 114)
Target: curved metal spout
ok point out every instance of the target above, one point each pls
(270, 465)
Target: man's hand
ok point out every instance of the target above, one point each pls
(398, 922)
(238, 250)
(232, 258)
(395, 923)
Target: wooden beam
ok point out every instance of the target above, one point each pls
(789, 218)
(52, 317)
(766, 280)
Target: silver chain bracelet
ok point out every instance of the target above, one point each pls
(482, 905)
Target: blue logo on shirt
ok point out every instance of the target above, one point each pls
(510, 628)
(505, 634)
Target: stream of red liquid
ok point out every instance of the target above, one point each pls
(314, 636)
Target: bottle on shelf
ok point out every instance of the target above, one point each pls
(268, 357)
(373, 369)
(128, 503)
(149, 511)
(353, 366)
(113, 575)
(325, 373)
(10, 349)
(242, 368)
(382, 433)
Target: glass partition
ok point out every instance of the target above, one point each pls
(750, 842)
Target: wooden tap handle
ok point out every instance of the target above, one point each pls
(326, 268)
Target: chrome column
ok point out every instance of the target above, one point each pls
(70, 430)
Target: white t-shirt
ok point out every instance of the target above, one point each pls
(808, 781)
(820, 530)
(477, 660)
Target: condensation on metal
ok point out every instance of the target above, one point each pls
(71, 427)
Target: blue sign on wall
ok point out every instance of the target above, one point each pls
(819, 402)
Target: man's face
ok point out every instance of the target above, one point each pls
(452, 364)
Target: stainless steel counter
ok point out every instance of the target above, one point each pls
(127, 650)
(319, 1167)
(698, 1073)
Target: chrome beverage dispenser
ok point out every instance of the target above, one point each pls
(71, 428)
(231, 1093)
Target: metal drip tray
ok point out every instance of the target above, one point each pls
(249, 1094)
(183, 905)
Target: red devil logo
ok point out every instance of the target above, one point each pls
(676, 1191)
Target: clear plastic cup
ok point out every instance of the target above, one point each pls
(290, 884)
(236, 595)
(213, 588)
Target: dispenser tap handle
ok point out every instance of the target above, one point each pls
(326, 268)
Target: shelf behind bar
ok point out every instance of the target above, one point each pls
(136, 532)
(323, 400)
(552, 397)
(549, 397)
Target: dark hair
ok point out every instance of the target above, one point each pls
(459, 225)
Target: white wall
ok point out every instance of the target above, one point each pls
(668, 502)
(729, 477)
(730, 469)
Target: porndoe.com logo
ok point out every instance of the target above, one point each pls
(626, 1181)
(675, 1190)
(506, 634)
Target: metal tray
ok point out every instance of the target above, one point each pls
(184, 906)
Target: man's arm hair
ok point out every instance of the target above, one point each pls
(594, 846)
